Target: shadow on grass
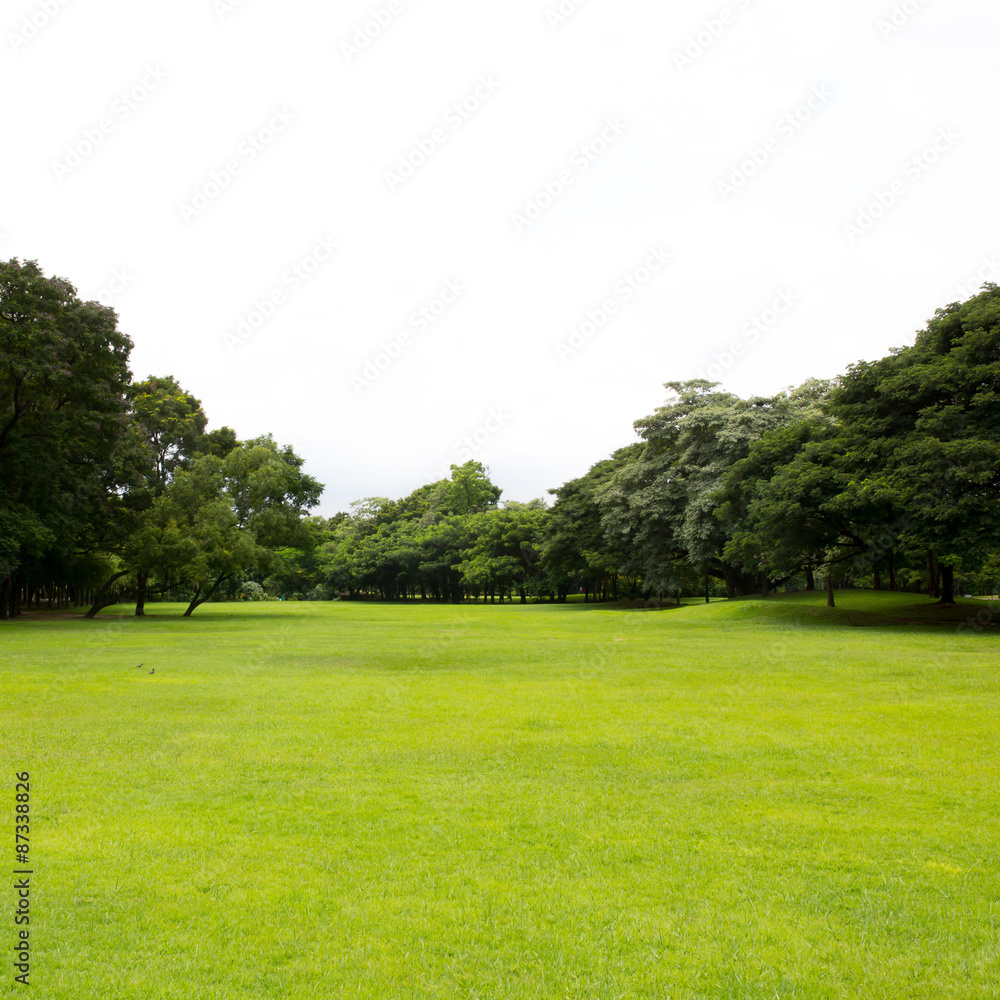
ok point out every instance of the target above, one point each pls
(868, 608)
(854, 608)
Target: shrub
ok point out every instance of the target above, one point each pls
(251, 591)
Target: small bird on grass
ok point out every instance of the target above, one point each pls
(138, 665)
(153, 671)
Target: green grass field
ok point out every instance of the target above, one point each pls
(754, 799)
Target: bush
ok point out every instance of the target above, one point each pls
(251, 591)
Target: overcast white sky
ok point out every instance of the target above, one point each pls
(189, 164)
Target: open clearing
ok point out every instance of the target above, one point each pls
(753, 799)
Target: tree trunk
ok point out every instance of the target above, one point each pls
(931, 589)
(878, 578)
(764, 589)
(947, 590)
(810, 579)
(141, 579)
(707, 597)
(830, 603)
(198, 600)
(101, 598)
(892, 572)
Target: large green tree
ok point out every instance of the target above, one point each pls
(922, 428)
(222, 518)
(263, 496)
(662, 507)
(68, 451)
(172, 424)
(903, 462)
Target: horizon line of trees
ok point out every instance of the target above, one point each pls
(888, 477)
(113, 490)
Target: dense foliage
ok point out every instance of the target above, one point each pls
(111, 489)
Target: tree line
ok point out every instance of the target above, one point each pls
(886, 477)
(113, 490)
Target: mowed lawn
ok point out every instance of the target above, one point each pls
(753, 799)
